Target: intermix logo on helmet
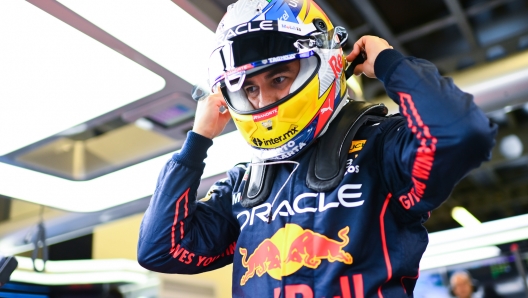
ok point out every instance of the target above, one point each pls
(252, 38)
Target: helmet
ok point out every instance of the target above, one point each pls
(255, 35)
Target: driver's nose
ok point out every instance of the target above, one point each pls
(269, 96)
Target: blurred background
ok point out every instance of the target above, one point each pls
(95, 97)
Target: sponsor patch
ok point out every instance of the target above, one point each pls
(282, 58)
(272, 141)
(266, 115)
(348, 196)
(357, 146)
(291, 27)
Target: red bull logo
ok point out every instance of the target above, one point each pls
(266, 257)
(291, 248)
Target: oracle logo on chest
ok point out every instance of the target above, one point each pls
(348, 196)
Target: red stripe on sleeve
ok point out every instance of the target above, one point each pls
(185, 196)
(425, 154)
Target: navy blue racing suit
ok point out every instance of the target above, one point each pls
(365, 238)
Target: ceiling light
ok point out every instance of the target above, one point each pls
(508, 109)
(511, 146)
(80, 272)
(128, 184)
(464, 217)
(498, 83)
(55, 77)
(440, 254)
(78, 278)
(82, 266)
(159, 29)
(59, 98)
(496, 232)
(457, 257)
(479, 241)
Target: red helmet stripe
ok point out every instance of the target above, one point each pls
(326, 110)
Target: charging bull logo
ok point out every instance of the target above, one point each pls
(264, 258)
(291, 248)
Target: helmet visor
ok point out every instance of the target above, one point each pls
(246, 101)
(253, 47)
(250, 50)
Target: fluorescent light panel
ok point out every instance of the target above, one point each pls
(506, 236)
(496, 232)
(445, 253)
(458, 257)
(55, 77)
(487, 228)
(80, 272)
(516, 77)
(128, 184)
(78, 278)
(82, 266)
(159, 29)
(464, 217)
(474, 242)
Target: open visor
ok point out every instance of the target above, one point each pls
(243, 52)
(258, 46)
(238, 100)
(239, 55)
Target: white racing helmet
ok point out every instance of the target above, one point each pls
(254, 36)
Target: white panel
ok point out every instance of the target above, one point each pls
(159, 29)
(54, 77)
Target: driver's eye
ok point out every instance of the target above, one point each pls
(251, 89)
(279, 80)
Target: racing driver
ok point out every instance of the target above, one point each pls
(333, 202)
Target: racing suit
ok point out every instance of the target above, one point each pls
(365, 238)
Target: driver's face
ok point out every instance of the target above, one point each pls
(272, 85)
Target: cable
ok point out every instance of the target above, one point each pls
(285, 182)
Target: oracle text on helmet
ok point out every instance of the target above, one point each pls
(246, 28)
